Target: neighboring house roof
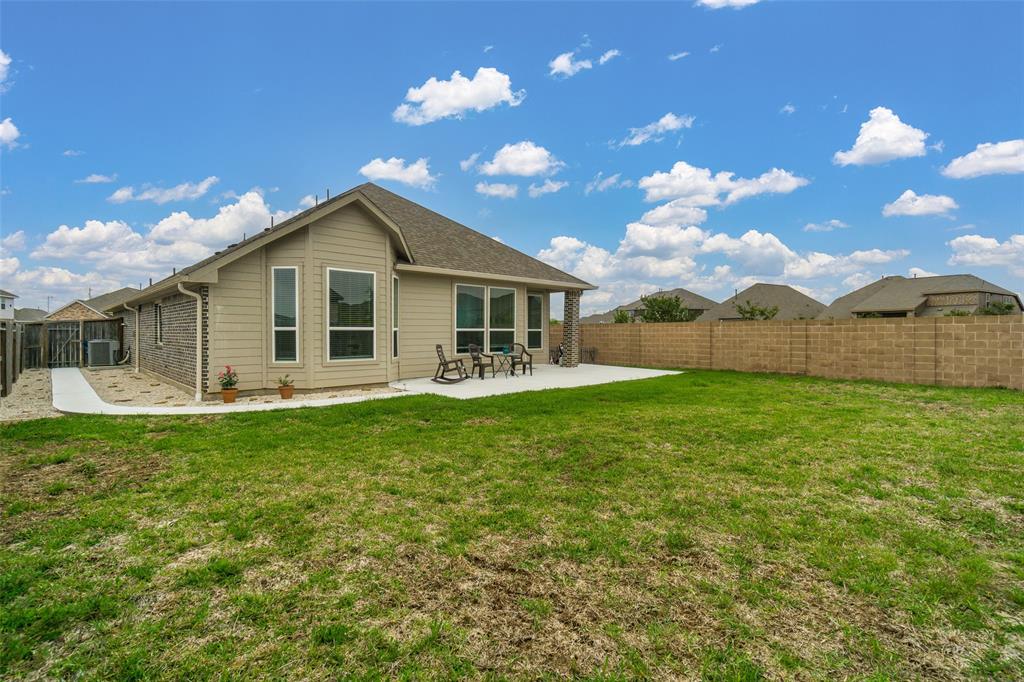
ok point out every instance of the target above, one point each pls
(691, 300)
(842, 307)
(431, 242)
(598, 318)
(28, 314)
(89, 313)
(7, 294)
(792, 304)
(903, 295)
(112, 299)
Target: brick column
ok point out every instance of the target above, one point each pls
(571, 328)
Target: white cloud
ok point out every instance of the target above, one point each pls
(522, 158)
(162, 195)
(248, 215)
(698, 187)
(566, 66)
(5, 69)
(488, 48)
(715, 48)
(910, 203)
(73, 152)
(500, 190)
(883, 137)
(859, 279)
(308, 201)
(35, 284)
(989, 158)
(9, 133)
(719, 4)
(549, 187)
(675, 213)
(603, 184)
(469, 162)
(827, 226)
(973, 249)
(676, 56)
(920, 272)
(655, 131)
(608, 56)
(89, 241)
(788, 109)
(416, 174)
(438, 99)
(96, 178)
(13, 242)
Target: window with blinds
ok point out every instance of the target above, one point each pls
(285, 295)
(351, 315)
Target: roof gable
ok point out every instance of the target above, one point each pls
(76, 310)
(792, 304)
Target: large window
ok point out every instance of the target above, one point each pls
(502, 331)
(469, 316)
(394, 317)
(285, 295)
(534, 321)
(350, 315)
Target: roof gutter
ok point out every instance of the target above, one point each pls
(546, 283)
(199, 338)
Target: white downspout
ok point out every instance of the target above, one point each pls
(199, 338)
(135, 346)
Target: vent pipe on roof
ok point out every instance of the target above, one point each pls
(174, 271)
(150, 281)
(316, 199)
(271, 222)
(328, 194)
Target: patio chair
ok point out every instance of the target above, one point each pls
(444, 366)
(480, 361)
(521, 358)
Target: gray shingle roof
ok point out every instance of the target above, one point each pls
(690, 300)
(7, 294)
(433, 240)
(898, 294)
(111, 299)
(28, 314)
(792, 304)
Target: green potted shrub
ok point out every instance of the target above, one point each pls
(286, 387)
(228, 379)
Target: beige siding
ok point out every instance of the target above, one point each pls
(241, 309)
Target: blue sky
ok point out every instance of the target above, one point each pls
(196, 122)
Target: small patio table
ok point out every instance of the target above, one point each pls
(503, 364)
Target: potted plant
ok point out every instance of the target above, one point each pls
(228, 379)
(285, 386)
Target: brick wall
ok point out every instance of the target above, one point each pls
(953, 351)
(175, 358)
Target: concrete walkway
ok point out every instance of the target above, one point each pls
(73, 394)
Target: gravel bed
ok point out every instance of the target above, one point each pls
(30, 398)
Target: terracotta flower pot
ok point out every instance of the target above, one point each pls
(229, 394)
(286, 392)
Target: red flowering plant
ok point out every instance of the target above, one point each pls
(228, 378)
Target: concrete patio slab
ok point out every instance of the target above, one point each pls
(544, 377)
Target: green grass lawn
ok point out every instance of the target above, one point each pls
(710, 524)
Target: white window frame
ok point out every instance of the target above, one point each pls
(158, 319)
(327, 317)
(273, 318)
(515, 311)
(396, 288)
(455, 317)
(542, 322)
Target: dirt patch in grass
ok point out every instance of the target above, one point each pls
(51, 482)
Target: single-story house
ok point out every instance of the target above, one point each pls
(791, 304)
(936, 296)
(690, 301)
(356, 290)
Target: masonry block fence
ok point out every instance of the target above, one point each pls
(949, 351)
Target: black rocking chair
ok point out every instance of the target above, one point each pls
(521, 358)
(444, 366)
(480, 361)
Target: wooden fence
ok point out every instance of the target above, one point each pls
(10, 355)
(953, 351)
